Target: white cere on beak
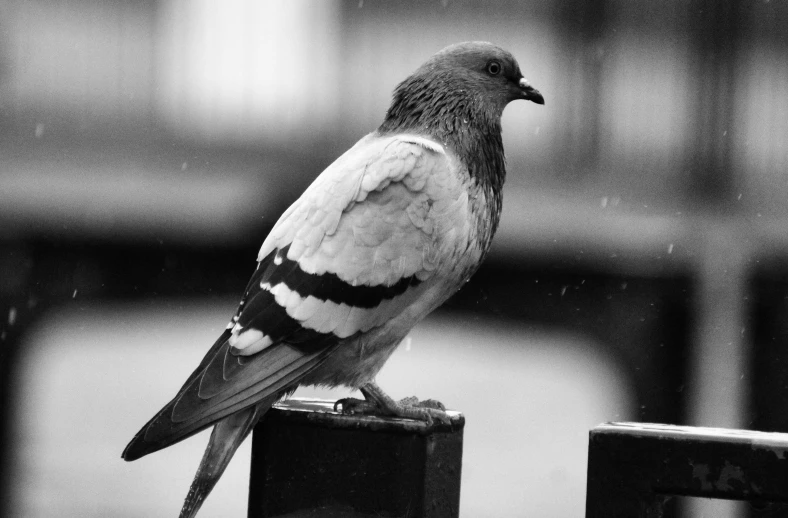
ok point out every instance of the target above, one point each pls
(524, 83)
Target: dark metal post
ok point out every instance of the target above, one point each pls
(308, 460)
(634, 468)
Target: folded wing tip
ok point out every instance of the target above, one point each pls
(140, 446)
(134, 450)
(149, 439)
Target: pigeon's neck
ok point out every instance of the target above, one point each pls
(458, 119)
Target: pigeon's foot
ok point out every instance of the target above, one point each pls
(377, 402)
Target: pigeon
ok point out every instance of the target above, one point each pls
(382, 237)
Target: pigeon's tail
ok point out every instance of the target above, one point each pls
(227, 436)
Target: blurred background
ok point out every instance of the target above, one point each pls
(640, 272)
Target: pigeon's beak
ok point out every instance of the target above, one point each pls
(529, 93)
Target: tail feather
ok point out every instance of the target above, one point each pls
(227, 436)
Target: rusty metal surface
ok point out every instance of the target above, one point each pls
(308, 460)
(634, 468)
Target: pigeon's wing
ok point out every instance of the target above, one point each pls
(359, 248)
(353, 251)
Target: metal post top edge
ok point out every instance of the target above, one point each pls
(320, 412)
(749, 437)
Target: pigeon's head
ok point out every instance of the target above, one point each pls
(483, 68)
(464, 85)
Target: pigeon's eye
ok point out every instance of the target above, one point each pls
(494, 68)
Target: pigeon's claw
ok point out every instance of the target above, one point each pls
(427, 403)
(426, 410)
(377, 402)
(421, 413)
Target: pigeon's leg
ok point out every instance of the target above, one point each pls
(377, 402)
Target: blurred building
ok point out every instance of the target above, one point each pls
(147, 146)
